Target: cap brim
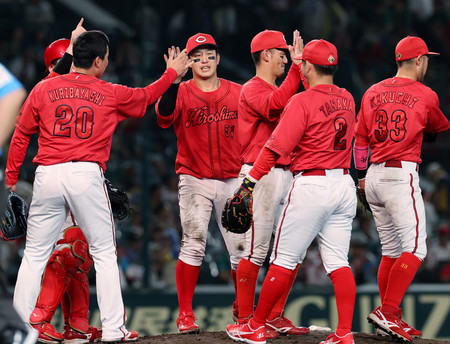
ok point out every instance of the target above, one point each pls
(430, 53)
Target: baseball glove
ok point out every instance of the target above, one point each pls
(13, 223)
(120, 204)
(362, 198)
(237, 215)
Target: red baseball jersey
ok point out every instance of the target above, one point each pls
(317, 127)
(393, 116)
(76, 116)
(206, 127)
(260, 106)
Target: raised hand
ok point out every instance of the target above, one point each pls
(75, 33)
(179, 61)
(296, 48)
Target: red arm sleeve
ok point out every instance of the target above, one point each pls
(157, 89)
(304, 82)
(16, 155)
(436, 120)
(265, 161)
(287, 89)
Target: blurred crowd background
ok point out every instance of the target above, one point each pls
(143, 155)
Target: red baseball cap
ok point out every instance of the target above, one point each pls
(410, 47)
(268, 39)
(319, 52)
(199, 40)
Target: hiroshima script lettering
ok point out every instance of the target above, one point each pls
(335, 105)
(76, 93)
(393, 97)
(199, 116)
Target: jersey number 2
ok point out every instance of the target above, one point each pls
(84, 121)
(340, 126)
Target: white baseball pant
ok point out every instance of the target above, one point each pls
(78, 186)
(268, 202)
(197, 199)
(396, 201)
(322, 206)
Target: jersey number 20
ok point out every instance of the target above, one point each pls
(84, 121)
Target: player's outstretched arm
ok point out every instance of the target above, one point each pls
(75, 33)
(65, 62)
(177, 65)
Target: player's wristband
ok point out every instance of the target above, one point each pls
(361, 174)
(64, 64)
(168, 100)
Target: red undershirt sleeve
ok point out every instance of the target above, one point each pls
(16, 155)
(287, 89)
(265, 161)
(157, 89)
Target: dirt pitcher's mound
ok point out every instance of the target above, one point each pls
(315, 337)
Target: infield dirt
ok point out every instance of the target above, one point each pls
(314, 337)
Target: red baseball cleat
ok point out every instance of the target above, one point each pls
(285, 326)
(244, 333)
(48, 333)
(335, 339)
(72, 336)
(389, 323)
(186, 324)
(414, 333)
(271, 334)
(95, 334)
(406, 327)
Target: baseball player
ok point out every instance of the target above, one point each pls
(204, 114)
(65, 277)
(260, 105)
(317, 127)
(12, 95)
(76, 115)
(396, 114)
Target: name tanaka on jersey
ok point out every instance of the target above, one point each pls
(76, 93)
(393, 97)
(335, 105)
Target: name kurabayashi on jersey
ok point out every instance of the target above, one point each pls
(317, 126)
(396, 113)
(76, 116)
(206, 126)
